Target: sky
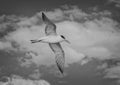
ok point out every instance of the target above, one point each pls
(92, 27)
(26, 7)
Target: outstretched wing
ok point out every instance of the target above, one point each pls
(59, 55)
(50, 28)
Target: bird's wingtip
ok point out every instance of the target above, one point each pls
(43, 16)
(60, 69)
(62, 74)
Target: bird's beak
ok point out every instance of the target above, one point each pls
(67, 41)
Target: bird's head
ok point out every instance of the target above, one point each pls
(64, 39)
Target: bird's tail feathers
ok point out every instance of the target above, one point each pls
(35, 41)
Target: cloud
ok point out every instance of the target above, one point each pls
(17, 80)
(36, 74)
(110, 68)
(100, 52)
(71, 13)
(5, 45)
(117, 2)
(113, 72)
(92, 35)
(87, 38)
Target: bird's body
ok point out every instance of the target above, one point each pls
(49, 39)
(54, 42)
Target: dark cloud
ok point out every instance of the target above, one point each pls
(117, 2)
(18, 80)
(10, 63)
(7, 24)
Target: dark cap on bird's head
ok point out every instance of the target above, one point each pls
(64, 39)
(62, 36)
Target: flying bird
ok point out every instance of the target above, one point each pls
(53, 39)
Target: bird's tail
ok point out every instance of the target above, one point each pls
(35, 41)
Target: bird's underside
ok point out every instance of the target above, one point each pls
(50, 29)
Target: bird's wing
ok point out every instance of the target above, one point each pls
(50, 28)
(59, 55)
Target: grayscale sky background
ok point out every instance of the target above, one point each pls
(92, 27)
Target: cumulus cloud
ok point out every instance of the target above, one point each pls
(66, 13)
(17, 80)
(93, 35)
(87, 38)
(113, 72)
(110, 68)
(36, 74)
(117, 2)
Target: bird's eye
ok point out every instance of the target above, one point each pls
(62, 36)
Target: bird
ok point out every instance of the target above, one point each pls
(54, 40)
